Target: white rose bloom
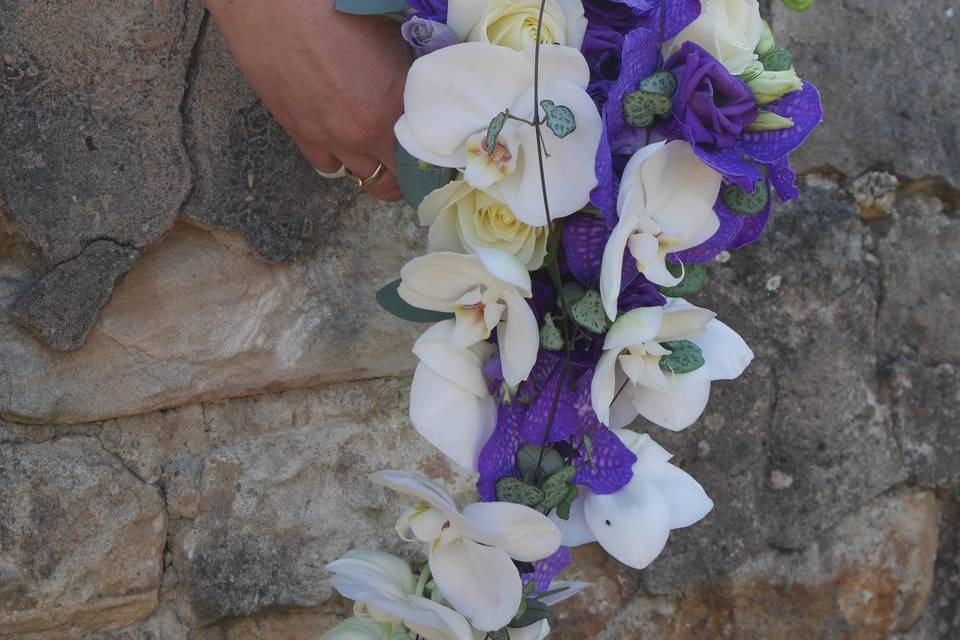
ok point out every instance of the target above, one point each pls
(729, 30)
(634, 523)
(485, 291)
(384, 588)
(449, 402)
(632, 352)
(462, 218)
(513, 23)
(471, 553)
(452, 95)
(665, 205)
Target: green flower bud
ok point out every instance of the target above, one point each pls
(766, 44)
(798, 5)
(768, 86)
(769, 121)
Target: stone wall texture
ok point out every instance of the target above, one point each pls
(195, 378)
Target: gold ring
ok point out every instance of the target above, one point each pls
(362, 183)
(339, 173)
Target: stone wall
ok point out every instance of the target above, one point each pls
(195, 379)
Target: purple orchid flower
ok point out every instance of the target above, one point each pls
(435, 10)
(544, 571)
(427, 36)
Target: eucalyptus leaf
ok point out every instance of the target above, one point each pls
(556, 486)
(777, 60)
(534, 612)
(530, 454)
(662, 82)
(560, 119)
(744, 203)
(588, 312)
(694, 277)
(389, 298)
(371, 7)
(641, 107)
(684, 357)
(493, 130)
(510, 489)
(418, 179)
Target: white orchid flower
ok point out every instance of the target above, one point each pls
(634, 523)
(484, 291)
(462, 218)
(536, 631)
(450, 405)
(384, 589)
(366, 629)
(729, 30)
(452, 95)
(665, 205)
(631, 361)
(513, 23)
(472, 553)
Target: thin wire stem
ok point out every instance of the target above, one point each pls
(663, 32)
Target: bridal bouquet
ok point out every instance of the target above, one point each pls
(577, 162)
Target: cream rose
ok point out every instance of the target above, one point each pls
(513, 23)
(462, 218)
(730, 30)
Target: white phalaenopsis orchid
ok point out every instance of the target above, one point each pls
(513, 23)
(634, 523)
(452, 95)
(384, 588)
(450, 405)
(631, 363)
(484, 291)
(366, 629)
(665, 205)
(472, 553)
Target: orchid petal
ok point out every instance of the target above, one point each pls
(603, 385)
(525, 534)
(632, 525)
(575, 531)
(437, 281)
(635, 327)
(677, 408)
(725, 353)
(520, 339)
(410, 484)
(686, 500)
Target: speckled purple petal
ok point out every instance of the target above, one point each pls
(730, 225)
(544, 571)
(640, 56)
(610, 465)
(680, 13)
(584, 239)
(754, 225)
(806, 110)
(551, 416)
(604, 195)
(734, 167)
(498, 457)
(783, 179)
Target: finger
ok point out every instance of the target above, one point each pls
(318, 157)
(384, 188)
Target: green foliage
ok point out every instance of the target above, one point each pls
(555, 487)
(510, 489)
(777, 60)
(662, 82)
(684, 357)
(371, 7)
(531, 612)
(798, 5)
(417, 178)
(559, 119)
(743, 203)
(551, 339)
(390, 299)
(588, 313)
(494, 129)
(530, 454)
(571, 292)
(694, 277)
(641, 107)
(563, 509)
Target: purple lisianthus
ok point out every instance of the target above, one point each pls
(435, 10)
(427, 36)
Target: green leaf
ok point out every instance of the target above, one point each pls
(743, 203)
(550, 337)
(798, 5)
(510, 489)
(556, 486)
(530, 454)
(572, 293)
(493, 130)
(641, 107)
(588, 313)
(389, 298)
(560, 119)
(694, 277)
(534, 612)
(371, 7)
(563, 509)
(418, 179)
(777, 60)
(500, 634)
(684, 357)
(662, 82)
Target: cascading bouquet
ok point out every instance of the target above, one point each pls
(577, 162)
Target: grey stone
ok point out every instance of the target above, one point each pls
(927, 420)
(250, 175)
(888, 87)
(81, 540)
(62, 307)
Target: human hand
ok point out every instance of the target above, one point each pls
(334, 81)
